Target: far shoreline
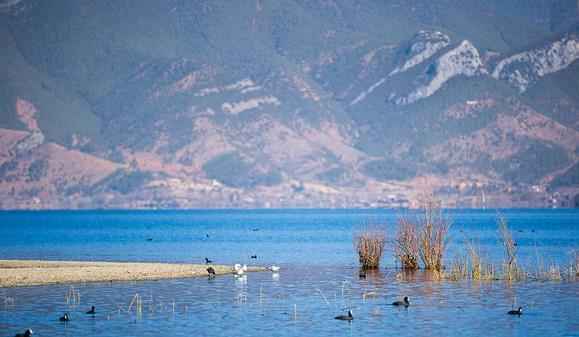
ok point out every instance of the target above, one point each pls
(20, 273)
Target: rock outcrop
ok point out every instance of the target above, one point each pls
(424, 44)
(30, 143)
(522, 69)
(462, 60)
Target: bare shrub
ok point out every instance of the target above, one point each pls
(405, 245)
(511, 271)
(370, 242)
(434, 226)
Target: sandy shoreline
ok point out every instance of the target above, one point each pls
(15, 273)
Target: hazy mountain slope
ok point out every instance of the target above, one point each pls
(303, 104)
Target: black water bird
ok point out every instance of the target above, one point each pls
(404, 303)
(254, 256)
(206, 235)
(347, 317)
(516, 312)
(255, 229)
(150, 239)
(362, 273)
(207, 261)
(26, 333)
(64, 318)
(91, 311)
(211, 272)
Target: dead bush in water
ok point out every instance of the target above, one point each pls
(405, 245)
(433, 226)
(511, 271)
(370, 242)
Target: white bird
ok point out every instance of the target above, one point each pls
(244, 268)
(275, 269)
(237, 267)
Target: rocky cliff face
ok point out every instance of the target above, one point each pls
(462, 60)
(522, 69)
(422, 46)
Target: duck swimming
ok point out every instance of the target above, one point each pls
(27, 333)
(64, 318)
(91, 311)
(516, 312)
(362, 273)
(404, 303)
(347, 317)
(207, 261)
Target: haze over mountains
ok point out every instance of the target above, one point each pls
(297, 103)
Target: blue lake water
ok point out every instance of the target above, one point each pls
(319, 278)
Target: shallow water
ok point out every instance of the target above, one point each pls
(314, 247)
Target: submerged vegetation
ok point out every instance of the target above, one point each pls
(420, 241)
(478, 266)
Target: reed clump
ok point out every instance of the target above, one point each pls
(481, 266)
(370, 242)
(473, 264)
(458, 269)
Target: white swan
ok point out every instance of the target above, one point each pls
(237, 267)
(275, 269)
(244, 268)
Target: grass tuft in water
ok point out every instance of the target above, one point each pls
(8, 301)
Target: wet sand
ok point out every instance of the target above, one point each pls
(15, 273)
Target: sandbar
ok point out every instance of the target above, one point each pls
(16, 273)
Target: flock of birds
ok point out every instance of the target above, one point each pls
(64, 318)
(238, 270)
(405, 303)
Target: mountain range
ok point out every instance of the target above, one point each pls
(300, 103)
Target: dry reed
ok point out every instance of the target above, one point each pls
(370, 242)
(481, 266)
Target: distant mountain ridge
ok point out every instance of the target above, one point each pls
(301, 104)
